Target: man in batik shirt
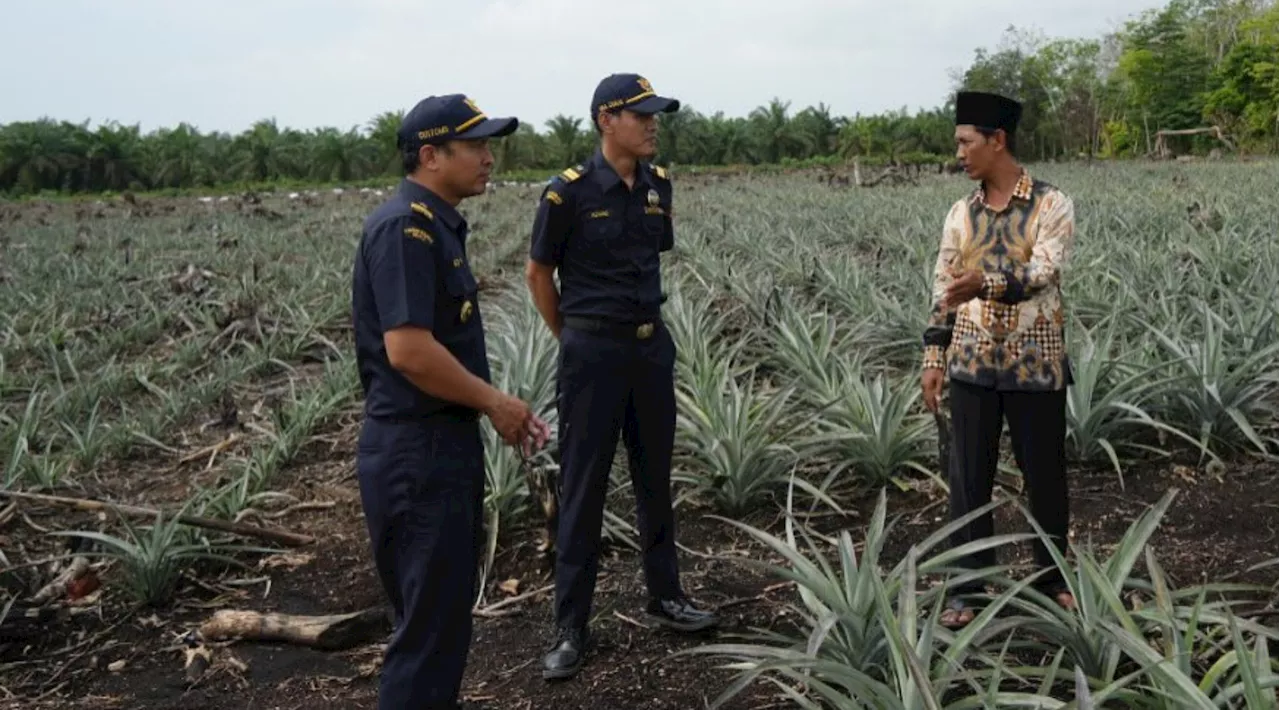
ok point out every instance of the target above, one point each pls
(996, 332)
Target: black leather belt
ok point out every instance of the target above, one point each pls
(444, 414)
(638, 331)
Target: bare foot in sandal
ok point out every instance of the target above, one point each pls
(956, 614)
(1066, 600)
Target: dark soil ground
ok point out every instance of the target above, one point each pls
(101, 653)
(107, 655)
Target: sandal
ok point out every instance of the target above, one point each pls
(956, 615)
(1065, 598)
(1061, 595)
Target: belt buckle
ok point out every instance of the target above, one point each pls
(644, 331)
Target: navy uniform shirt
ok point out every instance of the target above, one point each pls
(411, 269)
(605, 240)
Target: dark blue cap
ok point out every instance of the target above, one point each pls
(631, 92)
(437, 119)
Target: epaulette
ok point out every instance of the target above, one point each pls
(422, 209)
(571, 174)
(566, 176)
(660, 171)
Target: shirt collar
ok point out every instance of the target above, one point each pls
(1021, 191)
(607, 178)
(416, 192)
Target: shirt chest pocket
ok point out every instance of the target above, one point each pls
(459, 308)
(654, 224)
(602, 228)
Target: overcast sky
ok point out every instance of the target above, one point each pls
(222, 64)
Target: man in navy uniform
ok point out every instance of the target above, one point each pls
(602, 225)
(421, 354)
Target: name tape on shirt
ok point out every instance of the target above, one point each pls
(418, 233)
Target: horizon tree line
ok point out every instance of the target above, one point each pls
(1189, 64)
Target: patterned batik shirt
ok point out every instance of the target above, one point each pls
(1010, 337)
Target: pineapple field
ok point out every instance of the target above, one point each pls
(179, 405)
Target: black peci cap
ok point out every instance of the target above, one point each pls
(985, 110)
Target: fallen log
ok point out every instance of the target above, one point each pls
(327, 633)
(278, 536)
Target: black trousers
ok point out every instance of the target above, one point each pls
(422, 488)
(607, 386)
(1037, 427)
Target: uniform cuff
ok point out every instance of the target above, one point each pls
(993, 286)
(934, 357)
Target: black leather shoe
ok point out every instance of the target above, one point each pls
(680, 614)
(564, 660)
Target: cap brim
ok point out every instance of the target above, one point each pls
(489, 128)
(655, 104)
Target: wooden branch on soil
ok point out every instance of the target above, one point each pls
(78, 568)
(542, 487)
(762, 596)
(327, 633)
(278, 536)
(495, 610)
(894, 173)
(210, 451)
(1162, 145)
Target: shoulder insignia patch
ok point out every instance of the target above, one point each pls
(421, 235)
(571, 174)
(422, 209)
(660, 172)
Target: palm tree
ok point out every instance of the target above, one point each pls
(566, 139)
(261, 152)
(776, 137)
(112, 157)
(339, 156)
(382, 134)
(39, 155)
(176, 157)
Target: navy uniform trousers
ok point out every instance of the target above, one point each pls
(609, 383)
(1037, 430)
(422, 486)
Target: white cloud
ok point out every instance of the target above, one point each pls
(340, 62)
